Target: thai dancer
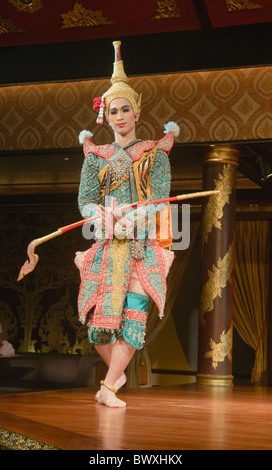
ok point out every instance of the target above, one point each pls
(128, 264)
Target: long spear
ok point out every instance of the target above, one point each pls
(30, 264)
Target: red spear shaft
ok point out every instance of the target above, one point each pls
(30, 265)
(144, 203)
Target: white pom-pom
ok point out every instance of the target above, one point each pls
(173, 127)
(82, 136)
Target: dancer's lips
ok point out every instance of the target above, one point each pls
(122, 124)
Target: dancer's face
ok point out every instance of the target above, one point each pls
(121, 117)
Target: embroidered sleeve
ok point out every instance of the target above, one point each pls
(160, 180)
(89, 188)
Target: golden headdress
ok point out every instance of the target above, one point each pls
(119, 88)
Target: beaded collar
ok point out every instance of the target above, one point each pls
(120, 162)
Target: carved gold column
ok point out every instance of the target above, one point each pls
(216, 300)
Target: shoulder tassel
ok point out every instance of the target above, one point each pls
(172, 127)
(82, 136)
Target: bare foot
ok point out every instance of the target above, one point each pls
(108, 398)
(118, 384)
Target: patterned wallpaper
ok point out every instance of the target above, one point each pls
(216, 106)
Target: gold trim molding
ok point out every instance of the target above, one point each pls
(15, 441)
(215, 380)
(80, 17)
(222, 155)
(235, 5)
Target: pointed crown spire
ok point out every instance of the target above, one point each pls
(119, 88)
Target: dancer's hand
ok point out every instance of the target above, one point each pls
(119, 217)
(109, 216)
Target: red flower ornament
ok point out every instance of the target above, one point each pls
(99, 106)
(97, 103)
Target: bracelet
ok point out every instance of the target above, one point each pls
(108, 386)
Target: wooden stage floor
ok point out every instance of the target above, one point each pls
(187, 417)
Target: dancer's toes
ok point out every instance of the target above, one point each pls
(108, 398)
(112, 402)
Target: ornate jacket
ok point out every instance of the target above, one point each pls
(106, 269)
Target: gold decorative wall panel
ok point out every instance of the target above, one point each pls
(212, 106)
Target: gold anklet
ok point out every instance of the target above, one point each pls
(108, 386)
